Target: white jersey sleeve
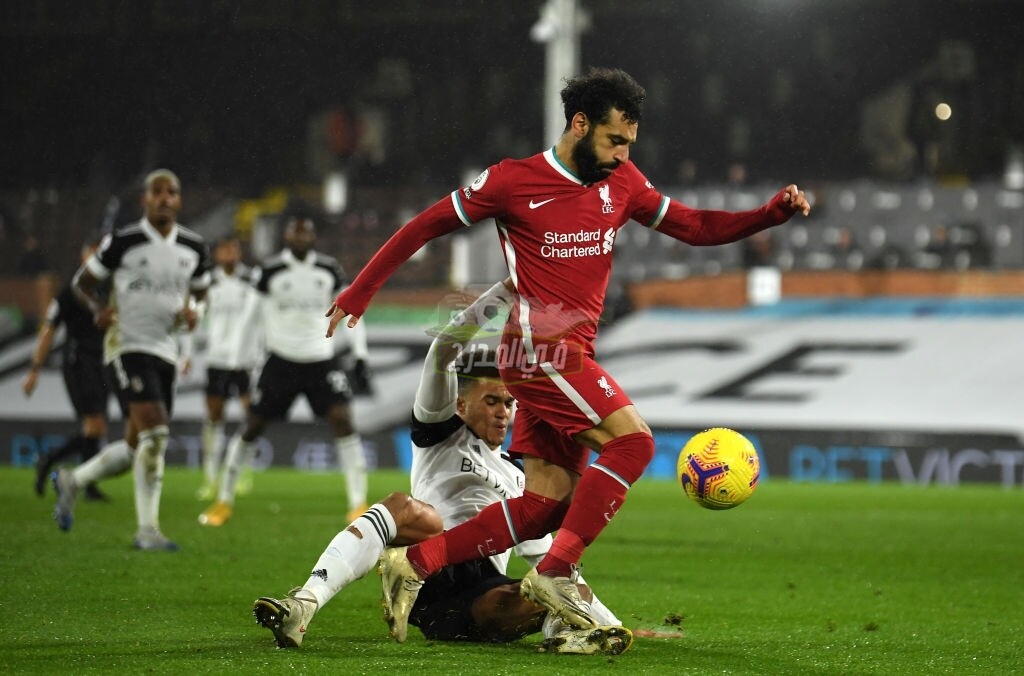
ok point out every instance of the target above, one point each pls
(438, 388)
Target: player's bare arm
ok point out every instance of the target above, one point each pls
(46, 334)
(85, 287)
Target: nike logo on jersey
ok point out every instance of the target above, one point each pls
(534, 205)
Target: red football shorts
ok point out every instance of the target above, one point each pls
(557, 399)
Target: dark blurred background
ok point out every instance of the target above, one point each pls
(255, 102)
(227, 92)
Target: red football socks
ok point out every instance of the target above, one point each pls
(599, 495)
(496, 528)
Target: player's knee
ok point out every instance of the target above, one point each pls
(398, 503)
(396, 498)
(645, 448)
(414, 518)
(94, 425)
(427, 521)
(628, 455)
(148, 414)
(214, 409)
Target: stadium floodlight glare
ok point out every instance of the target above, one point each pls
(558, 29)
(335, 192)
(1013, 175)
(547, 26)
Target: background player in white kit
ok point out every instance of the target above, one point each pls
(458, 425)
(158, 269)
(299, 361)
(234, 343)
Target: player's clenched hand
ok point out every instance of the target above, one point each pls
(337, 314)
(794, 197)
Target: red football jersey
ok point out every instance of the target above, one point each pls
(557, 235)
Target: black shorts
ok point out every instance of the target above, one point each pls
(227, 383)
(444, 608)
(143, 377)
(86, 384)
(323, 383)
(111, 379)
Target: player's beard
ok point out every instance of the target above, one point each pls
(585, 158)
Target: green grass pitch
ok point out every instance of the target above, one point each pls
(818, 579)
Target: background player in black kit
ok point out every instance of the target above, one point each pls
(82, 368)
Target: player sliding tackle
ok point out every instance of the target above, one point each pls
(460, 417)
(585, 184)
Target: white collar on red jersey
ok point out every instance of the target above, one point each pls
(557, 165)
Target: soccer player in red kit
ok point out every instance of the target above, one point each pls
(557, 215)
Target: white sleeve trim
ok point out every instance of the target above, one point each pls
(457, 203)
(96, 269)
(662, 210)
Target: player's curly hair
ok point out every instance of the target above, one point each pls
(598, 91)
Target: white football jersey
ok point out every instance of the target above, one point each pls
(152, 276)
(232, 326)
(295, 295)
(457, 473)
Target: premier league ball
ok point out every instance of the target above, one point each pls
(718, 468)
